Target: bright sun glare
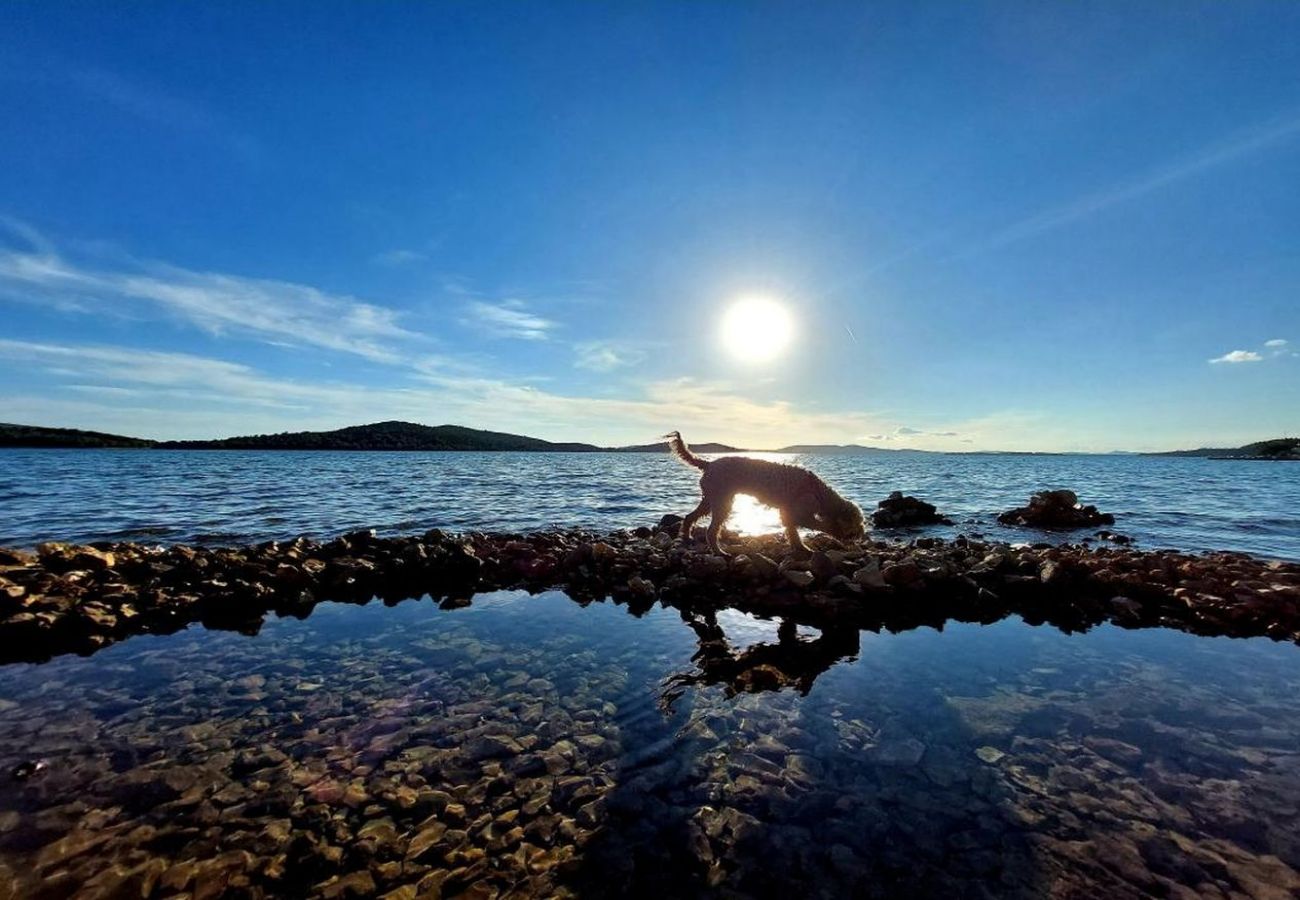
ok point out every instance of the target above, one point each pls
(757, 329)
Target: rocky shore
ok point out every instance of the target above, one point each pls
(78, 599)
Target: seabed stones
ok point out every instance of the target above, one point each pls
(466, 760)
(70, 599)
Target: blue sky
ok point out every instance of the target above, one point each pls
(996, 225)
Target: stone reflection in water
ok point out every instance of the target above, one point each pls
(516, 748)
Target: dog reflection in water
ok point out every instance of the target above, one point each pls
(791, 662)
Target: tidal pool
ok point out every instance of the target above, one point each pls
(532, 746)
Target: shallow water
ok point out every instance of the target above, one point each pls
(534, 745)
(227, 497)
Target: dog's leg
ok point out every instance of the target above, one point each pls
(792, 532)
(693, 516)
(721, 510)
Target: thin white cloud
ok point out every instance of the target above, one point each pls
(605, 356)
(398, 257)
(1221, 153)
(508, 319)
(905, 431)
(1237, 356)
(178, 395)
(153, 385)
(150, 103)
(267, 310)
(1276, 342)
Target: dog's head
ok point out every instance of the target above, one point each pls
(843, 520)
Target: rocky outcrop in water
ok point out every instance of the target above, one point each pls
(77, 599)
(1056, 509)
(897, 511)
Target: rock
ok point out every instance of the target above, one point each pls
(491, 746)
(821, 566)
(901, 574)
(798, 577)
(669, 524)
(93, 560)
(706, 567)
(988, 754)
(762, 568)
(427, 838)
(1113, 750)
(354, 884)
(898, 752)
(1126, 609)
(869, 575)
(1056, 509)
(641, 587)
(898, 511)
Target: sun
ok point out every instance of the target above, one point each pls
(757, 329)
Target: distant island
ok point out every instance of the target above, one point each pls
(662, 447)
(382, 436)
(1277, 448)
(385, 436)
(36, 436)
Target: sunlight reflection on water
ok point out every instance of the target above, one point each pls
(748, 516)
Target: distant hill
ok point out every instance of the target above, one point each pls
(662, 447)
(383, 436)
(1277, 448)
(37, 436)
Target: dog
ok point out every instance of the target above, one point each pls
(804, 500)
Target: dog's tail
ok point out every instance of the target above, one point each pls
(682, 452)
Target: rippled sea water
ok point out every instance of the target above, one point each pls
(536, 746)
(233, 496)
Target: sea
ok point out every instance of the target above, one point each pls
(537, 745)
(228, 497)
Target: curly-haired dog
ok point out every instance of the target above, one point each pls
(804, 500)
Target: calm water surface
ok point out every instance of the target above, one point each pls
(523, 747)
(231, 496)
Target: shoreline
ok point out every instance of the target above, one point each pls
(78, 599)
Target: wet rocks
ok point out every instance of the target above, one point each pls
(69, 599)
(869, 575)
(898, 511)
(1056, 509)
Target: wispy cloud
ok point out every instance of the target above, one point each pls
(177, 395)
(1212, 156)
(399, 257)
(605, 356)
(508, 319)
(1271, 349)
(264, 309)
(904, 432)
(1280, 347)
(146, 102)
(1237, 356)
(167, 392)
